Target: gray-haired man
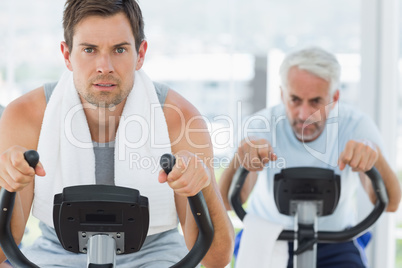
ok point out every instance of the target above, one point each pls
(312, 128)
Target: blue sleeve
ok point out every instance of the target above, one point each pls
(1, 110)
(257, 125)
(161, 91)
(366, 129)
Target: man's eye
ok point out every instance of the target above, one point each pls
(120, 50)
(89, 50)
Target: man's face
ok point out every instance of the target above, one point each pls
(308, 103)
(103, 59)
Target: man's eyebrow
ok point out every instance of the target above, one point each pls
(123, 44)
(316, 99)
(294, 96)
(87, 45)
(117, 45)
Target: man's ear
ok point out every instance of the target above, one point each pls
(335, 98)
(141, 54)
(66, 55)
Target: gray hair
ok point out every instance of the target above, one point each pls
(315, 61)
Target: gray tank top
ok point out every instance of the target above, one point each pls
(104, 152)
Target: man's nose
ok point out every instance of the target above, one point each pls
(104, 64)
(305, 111)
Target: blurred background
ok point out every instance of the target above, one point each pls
(224, 56)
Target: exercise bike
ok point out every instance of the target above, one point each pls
(307, 193)
(103, 221)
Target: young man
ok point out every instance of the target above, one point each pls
(311, 128)
(96, 126)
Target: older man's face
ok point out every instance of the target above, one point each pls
(308, 102)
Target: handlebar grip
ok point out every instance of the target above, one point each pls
(7, 241)
(234, 192)
(167, 162)
(378, 186)
(379, 207)
(202, 218)
(32, 157)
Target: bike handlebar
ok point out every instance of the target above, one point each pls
(7, 242)
(197, 204)
(202, 218)
(323, 237)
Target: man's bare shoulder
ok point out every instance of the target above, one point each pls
(178, 110)
(29, 107)
(21, 121)
(187, 128)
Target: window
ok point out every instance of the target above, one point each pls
(398, 235)
(223, 56)
(238, 46)
(31, 33)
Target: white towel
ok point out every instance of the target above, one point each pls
(259, 246)
(66, 150)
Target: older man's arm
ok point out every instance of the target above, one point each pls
(361, 157)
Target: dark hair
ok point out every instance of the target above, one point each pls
(76, 10)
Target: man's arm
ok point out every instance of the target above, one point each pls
(19, 131)
(253, 154)
(191, 143)
(362, 156)
(227, 178)
(391, 182)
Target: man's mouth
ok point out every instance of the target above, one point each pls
(105, 85)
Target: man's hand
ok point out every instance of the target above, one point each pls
(188, 176)
(15, 172)
(254, 154)
(359, 155)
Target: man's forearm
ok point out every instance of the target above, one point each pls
(220, 252)
(226, 180)
(391, 183)
(18, 222)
